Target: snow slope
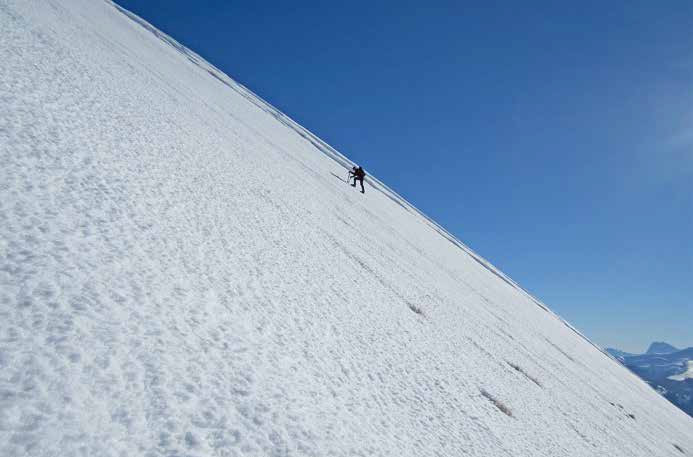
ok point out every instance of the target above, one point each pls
(182, 272)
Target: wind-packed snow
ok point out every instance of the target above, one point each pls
(183, 272)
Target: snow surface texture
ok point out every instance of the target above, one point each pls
(183, 272)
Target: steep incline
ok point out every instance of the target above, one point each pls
(182, 272)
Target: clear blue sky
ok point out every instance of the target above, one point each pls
(555, 139)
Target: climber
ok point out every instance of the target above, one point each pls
(358, 174)
(351, 173)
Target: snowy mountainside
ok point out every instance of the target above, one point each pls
(182, 272)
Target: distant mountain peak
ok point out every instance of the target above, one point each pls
(659, 347)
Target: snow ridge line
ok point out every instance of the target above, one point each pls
(341, 159)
